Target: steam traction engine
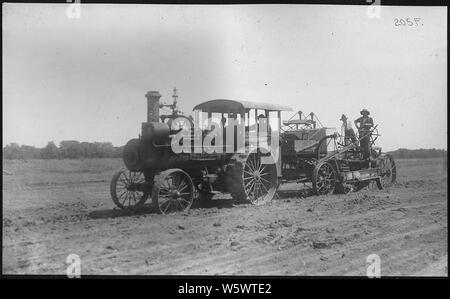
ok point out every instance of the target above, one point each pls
(308, 153)
(173, 180)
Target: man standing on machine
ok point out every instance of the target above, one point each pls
(364, 124)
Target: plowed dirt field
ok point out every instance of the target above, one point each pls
(55, 208)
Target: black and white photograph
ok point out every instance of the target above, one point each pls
(258, 140)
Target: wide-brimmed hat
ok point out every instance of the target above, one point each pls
(364, 110)
(343, 117)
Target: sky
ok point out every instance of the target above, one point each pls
(86, 78)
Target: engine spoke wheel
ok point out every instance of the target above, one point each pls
(172, 192)
(324, 179)
(387, 171)
(128, 189)
(249, 180)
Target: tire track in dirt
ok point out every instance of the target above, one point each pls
(316, 224)
(406, 225)
(208, 259)
(264, 256)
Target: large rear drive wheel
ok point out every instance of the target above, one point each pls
(324, 179)
(173, 191)
(249, 180)
(128, 189)
(388, 171)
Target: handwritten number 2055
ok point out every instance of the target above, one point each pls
(407, 22)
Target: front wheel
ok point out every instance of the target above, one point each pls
(128, 189)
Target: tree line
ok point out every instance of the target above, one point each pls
(67, 149)
(404, 153)
(72, 149)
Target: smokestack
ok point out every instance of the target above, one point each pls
(153, 106)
